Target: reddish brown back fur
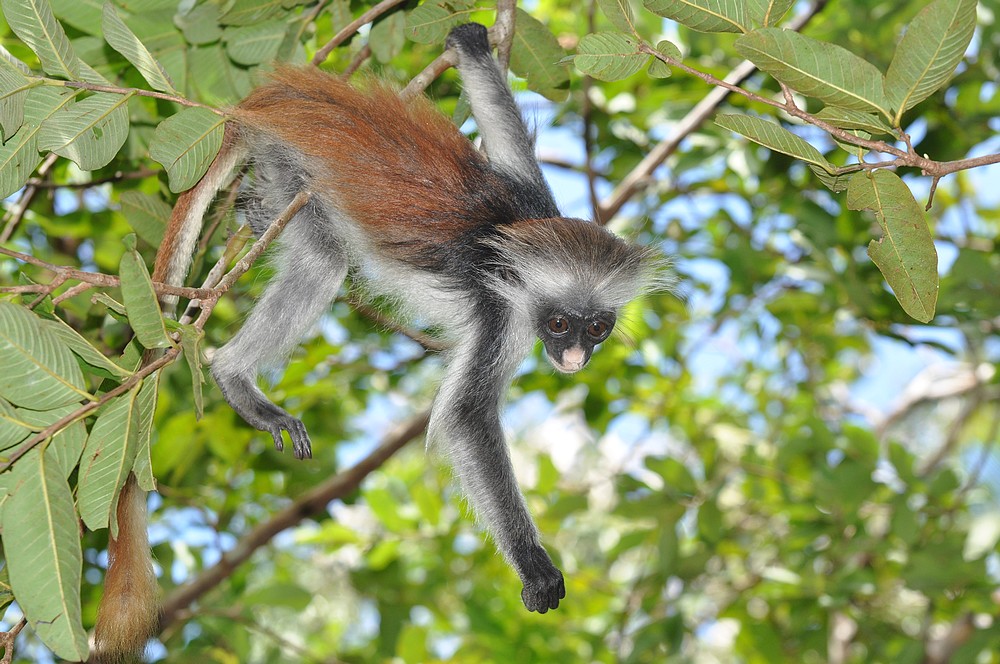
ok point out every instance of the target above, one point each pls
(393, 164)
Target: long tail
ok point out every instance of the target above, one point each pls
(129, 610)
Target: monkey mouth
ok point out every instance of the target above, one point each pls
(568, 366)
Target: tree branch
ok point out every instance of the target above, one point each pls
(310, 504)
(348, 30)
(640, 176)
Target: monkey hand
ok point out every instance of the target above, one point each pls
(468, 38)
(301, 446)
(543, 582)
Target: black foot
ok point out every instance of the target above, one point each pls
(469, 38)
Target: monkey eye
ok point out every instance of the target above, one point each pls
(558, 325)
(598, 330)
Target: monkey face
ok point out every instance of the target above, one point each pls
(569, 337)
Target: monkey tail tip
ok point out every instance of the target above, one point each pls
(129, 612)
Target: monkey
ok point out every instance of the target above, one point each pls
(471, 245)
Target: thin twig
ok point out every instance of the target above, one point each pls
(97, 87)
(357, 61)
(438, 66)
(7, 641)
(348, 30)
(119, 176)
(64, 273)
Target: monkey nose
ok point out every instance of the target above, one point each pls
(572, 360)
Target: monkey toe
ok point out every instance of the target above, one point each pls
(301, 445)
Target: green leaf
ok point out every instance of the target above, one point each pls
(191, 344)
(38, 370)
(186, 143)
(84, 350)
(84, 15)
(933, 45)
(36, 25)
(430, 22)
(107, 460)
(118, 35)
(248, 12)
(660, 69)
(704, 15)
(90, 132)
(537, 57)
(19, 156)
(254, 44)
(609, 56)
(147, 214)
(141, 304)
(846, 119)
(146, 404)
(66, 446)
(13, 428)
(14, 86)
(835, 183)
(16, 424)
(619, 12)
(200, 25)
(388, 36)
(768, 12)
(816, 69)
(774, 136)
(43, 554)
(905, 253)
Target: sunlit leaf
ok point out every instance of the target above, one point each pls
(817, 69)
(609, 56)
(537, 56)
(932, 46)
(186, 143)
(121, 38)
(38, 369)
(773, 136)
(34, 22)
(46, 564)
(90, 132)
(704, 15)
(107, 460)
(905, 253)
(141, 303)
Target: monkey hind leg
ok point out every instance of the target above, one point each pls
(311, 266)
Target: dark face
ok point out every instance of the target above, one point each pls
(570, 336)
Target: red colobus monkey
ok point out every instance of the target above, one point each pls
(472, 246)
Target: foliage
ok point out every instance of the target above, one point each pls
(721, 489)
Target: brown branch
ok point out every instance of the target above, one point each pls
(311, 503)
(503, 31)
(7, 641)
(118, 176)
(359, 59)
(97, 87)
(438, 66)
(64, 273)
(348, 30)
(641, 175)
